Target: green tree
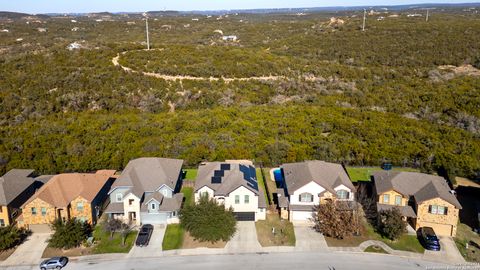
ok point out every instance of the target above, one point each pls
(69, 234)
(208, 221)
(11, 236)
(391, 224)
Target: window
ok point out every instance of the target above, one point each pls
(247, 199)
(1, 209)
(205, 194)
(306, 197)
(119, 197)
(80, 206)
(398, 200)
(237, 199)
(152, 206)
(165, 192)
(44, 211)
(130, 201)
(34, 211)
(437, 210)
(174, 214)
(2, 223)
(386, 198)
(343, 194)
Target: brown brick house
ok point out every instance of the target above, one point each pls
(424, 200)
(66, 196)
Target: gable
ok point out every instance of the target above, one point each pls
(311, 187)
(242, 190)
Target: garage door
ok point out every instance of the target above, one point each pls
(244, 216)
(40, 228)
(440, 229)
(158, 218)
(301, 215)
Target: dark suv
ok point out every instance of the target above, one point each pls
(54, 263)
(428, 238)
(144, 235)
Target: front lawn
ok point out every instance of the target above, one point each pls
(191, 174)
(284, 233)
(406, 243)
(106, 245)
(173, 238)
(466, 235)
(188, 195)
(261, 185)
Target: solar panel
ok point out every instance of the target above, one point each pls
(224, 167)
(216, 180)
(218, 173)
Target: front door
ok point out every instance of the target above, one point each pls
(132, 216)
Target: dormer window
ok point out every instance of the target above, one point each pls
(306, 197)
(343, 194)
(119, 197)
(152, 206)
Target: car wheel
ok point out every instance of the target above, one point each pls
(58, 267)
(43, 268)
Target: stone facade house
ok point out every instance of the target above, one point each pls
(67, 196)
(233, 184)
(16, 187)
(308, 184)
(424, 200)
(147, 192)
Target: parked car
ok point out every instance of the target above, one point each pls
(54, 263)
(428, 238)
(144, 235)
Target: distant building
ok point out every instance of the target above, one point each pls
(74, 46)
(229, 38)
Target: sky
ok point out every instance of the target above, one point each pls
(83, 6)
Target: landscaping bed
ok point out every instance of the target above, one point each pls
(284, 233)
(6, 253)
(73, 252)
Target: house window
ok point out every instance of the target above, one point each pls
(306, 197)
(130, 201)
(342, 194)
(1, 209)
(437, 210)
(398, 200)
(386, 198)
(165, 192)
(34, 211)
(237, 199)
(2, 223)
(247, 199)
(174, 214)
(80, 206)
(119, 197)
(44, 211)
(205, 194)
(152, 206)
(82, 219)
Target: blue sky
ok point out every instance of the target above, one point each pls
(61, 6)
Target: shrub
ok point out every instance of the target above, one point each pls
(69, 234)
(390, 223)
(335, 219)
(208, 221)
(11, 236)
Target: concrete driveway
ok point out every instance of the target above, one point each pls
(245, 238)
(307, 239)
(30, 252)
(448, 252)
(154, 247)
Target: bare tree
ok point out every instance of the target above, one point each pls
(335, 219)
(112, 225)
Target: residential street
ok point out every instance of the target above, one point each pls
(272, 261)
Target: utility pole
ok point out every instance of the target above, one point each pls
(426, 18)
(146, 26)
(364, 19)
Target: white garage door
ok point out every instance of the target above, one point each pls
(158, 218)
(40, 228)
(301, 215)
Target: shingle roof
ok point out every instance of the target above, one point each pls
(326, 174)
(63, 188)
(13, 183)
(421, 186)
(114, 208)
(238, 175)
(148, 174)
(406, 211)
(172, 204)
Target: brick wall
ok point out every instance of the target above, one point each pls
(85, 214)
(437, 222)
(29, 218)
(4, 215)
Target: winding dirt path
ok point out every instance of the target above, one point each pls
(166, 77)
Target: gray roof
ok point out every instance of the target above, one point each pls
(148, 174)
(238, 175)
(421, 186)
(13, 183)
(44, 178)
(326, 174)
(406, 211)
(166, 204)
(114, 208)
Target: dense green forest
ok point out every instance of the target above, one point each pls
(346, 96)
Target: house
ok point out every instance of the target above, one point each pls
(66, 196)
(310, 183)
(424, 200)
(16, 187)
(147, 192)
(233, 184)
(229, 38)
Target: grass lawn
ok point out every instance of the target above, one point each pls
(284, 236)
(191, 174)
(173, 238)
(188, 194)
(107, 245)
(261, 183)
(375, 249)
(406, 243)
(466, 235)
(363, 173)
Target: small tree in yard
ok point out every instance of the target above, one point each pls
(125, 229)
(390, 223)
(11, 236)
(69, 234)
(334, 220)
(208, 221)
(112, 225)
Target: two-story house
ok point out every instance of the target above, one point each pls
(66, 196)
(16, 187)
(424, 200)
(310, 183)
(147, 192)
(233, 184)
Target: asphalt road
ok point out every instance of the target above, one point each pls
(329, 261)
